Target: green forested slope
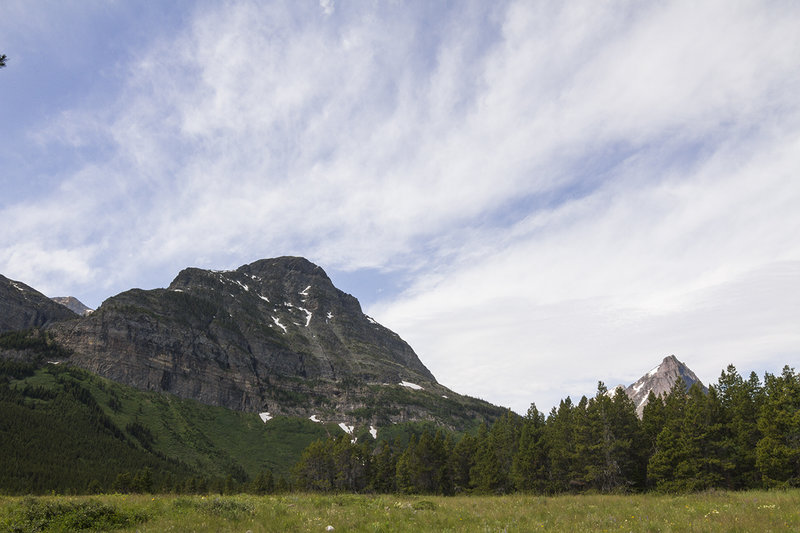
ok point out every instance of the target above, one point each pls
(63, 429)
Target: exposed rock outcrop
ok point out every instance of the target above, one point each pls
(73, 304)
(22, 307)
(273, 336)
(660, 380)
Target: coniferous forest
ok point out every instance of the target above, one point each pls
(61, 432)
(741, 434)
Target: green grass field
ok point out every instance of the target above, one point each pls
(715, 511)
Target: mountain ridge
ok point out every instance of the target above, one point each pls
(274, 336)
(23, 307)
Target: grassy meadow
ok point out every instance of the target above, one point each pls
(713, 511)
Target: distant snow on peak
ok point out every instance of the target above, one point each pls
(265, 417)
(659, 381)
(304, 292)
(411, 385)
(370, 319)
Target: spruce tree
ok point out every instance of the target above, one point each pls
(663, 464)
(384, 470)
(778, 451)
(495, 456)
(530, 465)
(462, 459)
(741, 400)
(560, 442)
(704, 443)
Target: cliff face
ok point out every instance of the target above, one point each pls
(22, 307)
(273, 336)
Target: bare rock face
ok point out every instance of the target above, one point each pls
(73, 304)
(22, 307)
(660, 380)
(273, 336)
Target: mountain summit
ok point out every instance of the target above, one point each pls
(660, 380)
(274, 336)
(22, 307)
(73, 304)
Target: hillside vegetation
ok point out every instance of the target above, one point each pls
(67, 430)
(64, 429)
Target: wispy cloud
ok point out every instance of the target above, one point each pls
(571, 188)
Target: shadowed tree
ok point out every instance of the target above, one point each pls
(705, 443)
(495, 456)
(560, 442)
(462, 459)
(742, 402)
(661, 469)
(530, 467)
(778, 451)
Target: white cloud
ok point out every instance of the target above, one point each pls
(565, 182)
(327, 6)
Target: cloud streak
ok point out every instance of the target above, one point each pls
(556, 182)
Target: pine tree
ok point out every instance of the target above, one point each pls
(612, 442)
(384, 470)
(408, 468)
(350, 464)
(559, 439)
(495, 456)
(530, 465)
(704, 443)
(315, 469)
(653, 417)
(462, 459)
(778, 451)
(741, 400)
(663, 464)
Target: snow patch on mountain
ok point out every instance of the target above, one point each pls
(278, 323)
(308, 315)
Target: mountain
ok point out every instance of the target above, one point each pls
(22, 307)
(274, 337)
(73, 304)
(660, 380)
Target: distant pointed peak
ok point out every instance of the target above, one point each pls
(660, 380)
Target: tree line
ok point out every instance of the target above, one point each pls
(740, 434)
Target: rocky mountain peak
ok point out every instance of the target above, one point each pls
(73, 304)
(23, 307)
(273, 336)
(660, 380)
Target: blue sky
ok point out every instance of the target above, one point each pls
(535, 195)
